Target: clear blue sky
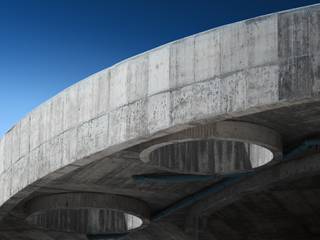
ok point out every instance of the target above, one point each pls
(47, 45)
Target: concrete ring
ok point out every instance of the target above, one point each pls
(62, 212)
(220, 148)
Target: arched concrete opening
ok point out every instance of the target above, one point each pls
(91, 221)
(221, 148)
(88, 213)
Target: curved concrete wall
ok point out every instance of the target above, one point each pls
(234, 70)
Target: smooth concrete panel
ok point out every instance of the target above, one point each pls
(20, 173)
(137, 78)
(158, 75)
(234, 47)
(182, 62)
(86, 100)
(24, 136)
(57, 115)
(1, 155)
(69, 146)
(34, 137)
(45, 123)
(101, 85)
(262, 40)
(118, 86)
(70, 109)
(207, 55)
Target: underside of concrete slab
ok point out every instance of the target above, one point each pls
(214, 136)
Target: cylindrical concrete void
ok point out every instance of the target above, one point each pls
(86, 221)
(88, 213)
(220, 148)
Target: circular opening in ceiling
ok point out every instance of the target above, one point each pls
(86, 220)
(207, 156)
(88, 213)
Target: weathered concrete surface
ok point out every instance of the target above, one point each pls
(263, 70)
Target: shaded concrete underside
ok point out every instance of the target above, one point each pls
(288, 209)
(282, 202)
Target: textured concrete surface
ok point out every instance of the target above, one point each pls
(89, 137)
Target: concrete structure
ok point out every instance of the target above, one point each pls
(191, 140)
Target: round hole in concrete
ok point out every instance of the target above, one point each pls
(88, 213)
(208, 156)
(86, 220)
(216, 148)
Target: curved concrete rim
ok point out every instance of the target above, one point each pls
(82, 200)
(242, 132)
(68, 221)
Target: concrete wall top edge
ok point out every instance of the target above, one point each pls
(168, 45)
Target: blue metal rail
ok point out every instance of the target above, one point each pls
(300, 149)
(191, 199)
